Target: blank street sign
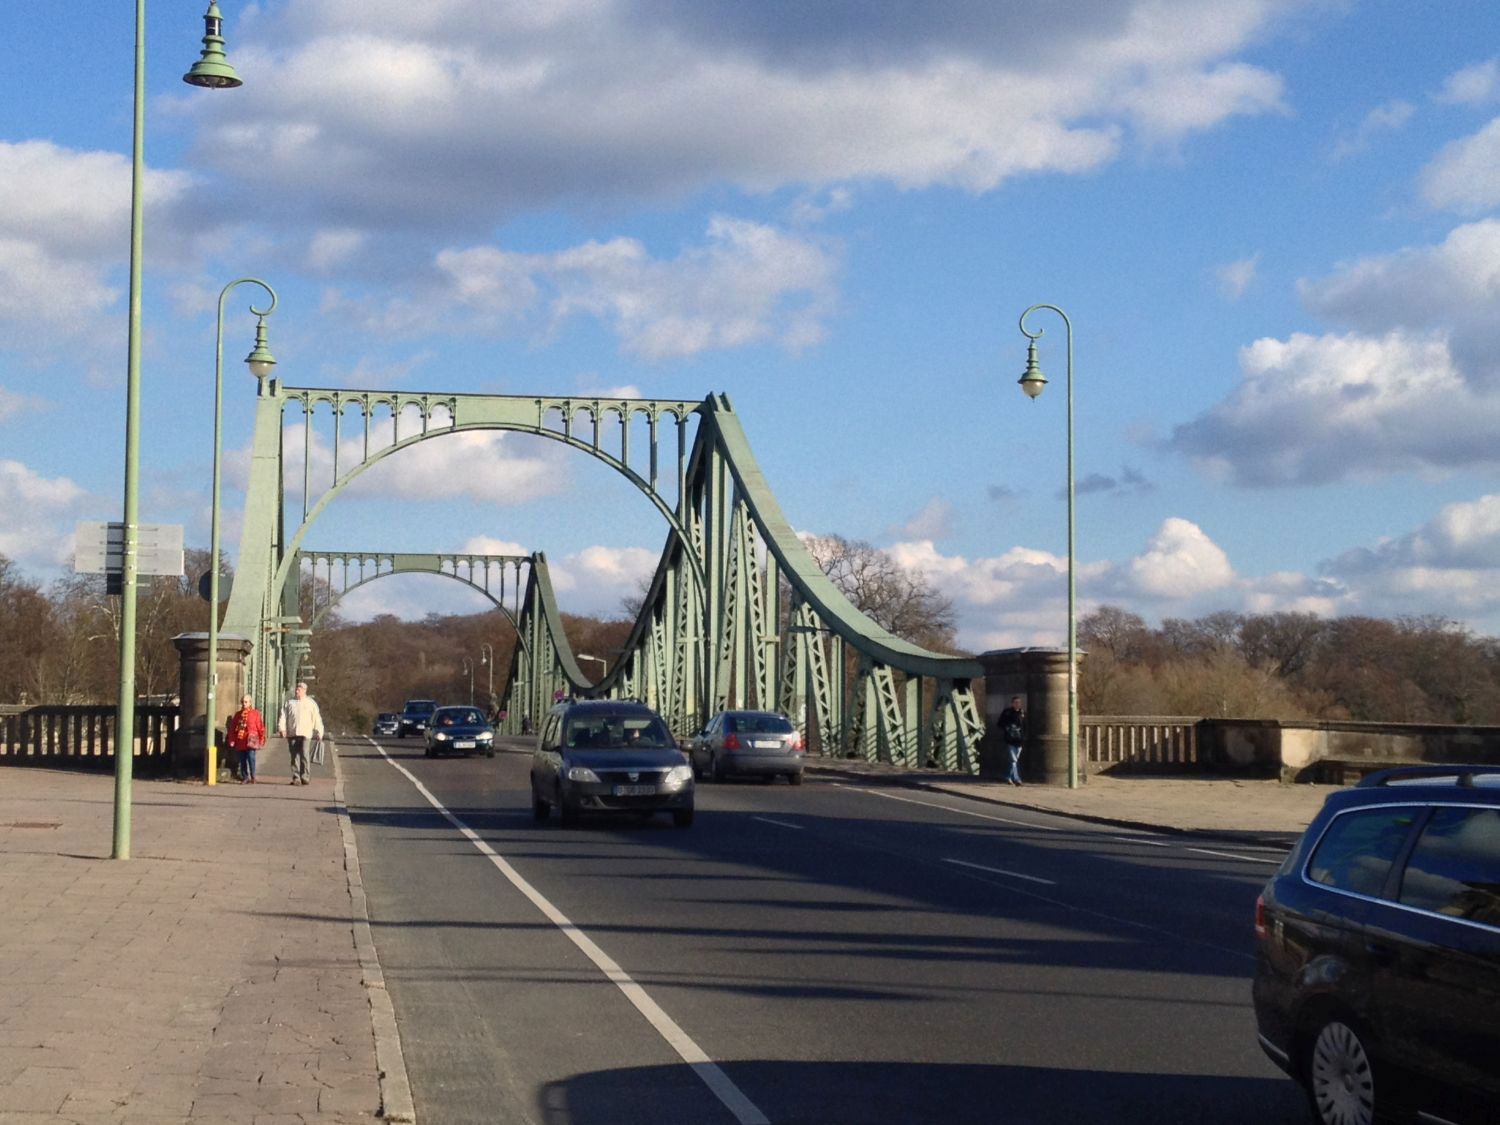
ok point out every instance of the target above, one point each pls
(100, 548)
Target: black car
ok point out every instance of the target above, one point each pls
(387, 722)
(414, 716)
(609, 756)
(459, 730)
(1377, 982)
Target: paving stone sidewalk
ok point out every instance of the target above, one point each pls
(220, 974)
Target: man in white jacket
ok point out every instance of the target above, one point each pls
(300, 720)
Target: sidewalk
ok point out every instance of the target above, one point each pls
(218, 975)
(1249, 809)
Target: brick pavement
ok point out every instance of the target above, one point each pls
(218, 975)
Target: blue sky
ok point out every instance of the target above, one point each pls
(1275, 225)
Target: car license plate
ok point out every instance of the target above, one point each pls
(764, 745)
(635, 790)
(466, 745)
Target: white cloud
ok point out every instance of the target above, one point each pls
(505, 107)
(1473, 85)
(934, 521)
(36, 515)
(14, 403)
(1235, 277)
(1465, 174)
(333, 247)
(1180, 562)
(1388, 118)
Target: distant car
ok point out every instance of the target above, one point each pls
(609, 756)
(387, 722)
(1377, 978)
(460, 730)
(414, 716)
(758, 743)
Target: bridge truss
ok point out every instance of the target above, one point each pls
(738, 613)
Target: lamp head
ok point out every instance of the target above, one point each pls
(260, 359)
(212, 70)
(1032, 380)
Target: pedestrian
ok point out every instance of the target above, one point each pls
(1012, 727)
(245, 733)
(300, 720)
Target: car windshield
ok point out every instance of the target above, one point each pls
(420, 708)
(617, 732)
(459, 718)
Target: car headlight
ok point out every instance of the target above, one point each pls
(440, 737)
(582, 773)
(487, 736)
(678, 775)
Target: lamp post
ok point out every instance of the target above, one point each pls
(600, 659)
(218, 73)
(487, 658)
(468, 665)
(260, 362)
(1032, 381)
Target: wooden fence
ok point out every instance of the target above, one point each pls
(84, 736)
(1165, 742)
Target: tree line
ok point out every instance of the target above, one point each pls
(61, 645)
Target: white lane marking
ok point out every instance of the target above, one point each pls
(780, 823)
(945, 808)
(1140, 840)
(999, 871)
(1231, 855)
(744, 1110)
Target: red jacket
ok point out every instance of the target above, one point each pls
(245, 730)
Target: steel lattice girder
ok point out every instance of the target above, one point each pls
(733, 581)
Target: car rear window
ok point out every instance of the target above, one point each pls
(1455, 867)
(1356, 852)
(760, 724)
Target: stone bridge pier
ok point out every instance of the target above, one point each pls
(1040, 677)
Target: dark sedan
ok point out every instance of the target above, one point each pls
(759, 743)
(459, 730)
(609, 756)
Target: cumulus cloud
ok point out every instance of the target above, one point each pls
(1388, 118)
(1473, 85)
(597, 578)
(745, 283)
(1180, 562)
(1415, 383)
(499, 108)
(1235, 277)
(1465, 174)
(39, 510)
(934, 521)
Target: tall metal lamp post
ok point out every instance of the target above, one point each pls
(211, 70)
(1032, 381)
(585, 656)
(487, 658)
(260, 362)
(468, 666)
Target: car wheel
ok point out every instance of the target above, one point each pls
(715, 769)
(1340, 1075)
(540, 809)
(794, 778)
(427, 751)
(565, 815)
(682, 818)
(489, 753)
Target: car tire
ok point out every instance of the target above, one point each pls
(1339, 1074)
(682, 818)
(489, 753)
(715, 769)
(794, 778)
(565, 816)
(427, 751)
(540, 809)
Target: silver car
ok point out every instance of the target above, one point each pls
(760, 743)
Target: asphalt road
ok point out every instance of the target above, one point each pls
(831, 953)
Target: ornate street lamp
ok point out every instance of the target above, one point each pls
(487, 658)
(125, 705)
(1032, 381)
(468, 666)
(260, 361)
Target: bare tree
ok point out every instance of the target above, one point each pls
(899, 600)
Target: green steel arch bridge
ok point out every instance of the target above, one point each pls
(737, 614)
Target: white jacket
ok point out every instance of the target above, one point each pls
(300, 718)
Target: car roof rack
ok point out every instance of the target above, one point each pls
(1463, 775)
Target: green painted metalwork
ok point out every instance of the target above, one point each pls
(738, 613)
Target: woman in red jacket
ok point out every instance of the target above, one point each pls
(245, 732)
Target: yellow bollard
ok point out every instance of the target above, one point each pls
(211, 762)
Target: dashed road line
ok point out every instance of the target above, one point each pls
(1001, 871)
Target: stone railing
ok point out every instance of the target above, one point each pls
(84, 736)
(1167, 742)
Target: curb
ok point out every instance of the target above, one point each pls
(1243, 839)
(395, 1087)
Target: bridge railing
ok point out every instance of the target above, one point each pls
(1147, 741)
(84, 736)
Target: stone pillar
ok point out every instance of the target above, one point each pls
(192, 649)
(1040, 677)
